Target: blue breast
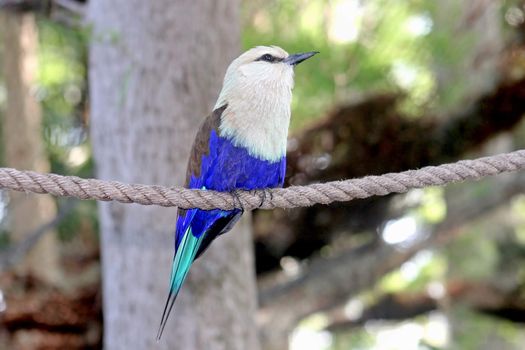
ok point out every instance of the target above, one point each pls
(228, 167)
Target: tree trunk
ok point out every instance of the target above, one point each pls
(156, 68)
(23, 143)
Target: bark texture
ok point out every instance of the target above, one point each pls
(156, 68)
(24, 148)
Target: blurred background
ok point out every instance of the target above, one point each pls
(398, 85)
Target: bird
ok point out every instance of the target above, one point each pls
(241, 145)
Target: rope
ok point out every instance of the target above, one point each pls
(291, 197)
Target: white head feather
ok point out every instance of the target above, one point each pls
(258, 95)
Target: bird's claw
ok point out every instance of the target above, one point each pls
(236, 196)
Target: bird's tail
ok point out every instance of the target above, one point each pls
(182, 261)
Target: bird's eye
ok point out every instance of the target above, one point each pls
(267, 58)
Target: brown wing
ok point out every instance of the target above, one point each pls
(201, 143)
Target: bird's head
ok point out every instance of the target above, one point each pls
(261, 72)
(257, 90)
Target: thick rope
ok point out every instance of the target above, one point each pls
(291, 197)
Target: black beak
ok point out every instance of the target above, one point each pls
(297, 58)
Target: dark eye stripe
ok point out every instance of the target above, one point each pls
(269, 58)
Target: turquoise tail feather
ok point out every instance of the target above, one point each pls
(184, 257)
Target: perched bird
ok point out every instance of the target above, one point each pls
(241, 145)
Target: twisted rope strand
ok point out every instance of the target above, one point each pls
(291, 197)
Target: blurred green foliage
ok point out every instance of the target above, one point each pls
(473, 330)
(416, 274)
(365, 47)
(472, 256)
(62, 90)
